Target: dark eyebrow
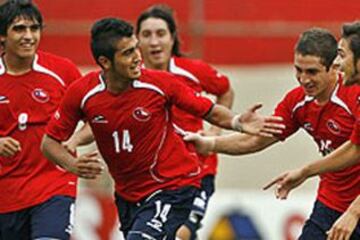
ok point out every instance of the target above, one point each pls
(24, 26)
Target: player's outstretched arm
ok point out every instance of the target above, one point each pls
(87, 166)
(232, 144)
(346, 224)
(248, 122)
(344, 156)
(285, 182)
(9, 146)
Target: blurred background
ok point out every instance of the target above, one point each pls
(251, 41)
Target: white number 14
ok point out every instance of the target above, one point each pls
(126, 142)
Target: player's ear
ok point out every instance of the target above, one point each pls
(104, 62)
(2, 40)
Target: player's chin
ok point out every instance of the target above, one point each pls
(134, 74)
(27, 53)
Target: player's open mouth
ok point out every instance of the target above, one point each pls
(155, 52)
(27, 45)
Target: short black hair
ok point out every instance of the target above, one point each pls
(13, 9)
(318, 42)
(165, 13)
(104, 35)
(351, 32)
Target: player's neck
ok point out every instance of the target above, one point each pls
(323, 98)
(16, 65)
(116, 84)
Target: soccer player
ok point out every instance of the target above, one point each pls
(36, 196)
(348, 59)
(324, 108)
(128, 109)
(160, 47)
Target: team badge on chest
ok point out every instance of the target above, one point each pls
(141, 114)
(40, 95)
(333, 126)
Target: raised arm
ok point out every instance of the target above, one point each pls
(344, 156)
(248, 122)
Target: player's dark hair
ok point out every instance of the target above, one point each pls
(320, 43)
(165, 13)
(12, 9)
(351, 32)
(105, 33)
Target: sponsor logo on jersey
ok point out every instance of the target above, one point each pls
(333, 126)
(4, 99)
(308, 127)
(141, 114)
(99, 119)
(40, 95)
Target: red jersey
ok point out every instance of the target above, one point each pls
(330, 126)
(26, 104)
(134, 131)
(200, 77)
(355, 136)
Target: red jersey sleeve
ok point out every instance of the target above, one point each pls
(285, 109)
(211, 80)
(179, 94)
(65, 119)
(187, 99)
(355, 135)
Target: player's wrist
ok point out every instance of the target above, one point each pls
(307, 171)
(236, 124)
(210, 144)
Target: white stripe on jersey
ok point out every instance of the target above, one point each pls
(180, 71)
(37, 67)
(138, 84)
(335, 99)
(302, 103)
(2, 67)
(98, 88)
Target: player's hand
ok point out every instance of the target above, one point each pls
(285, 182)
(88, 166)
(203, 145)
(253, 123)
(70, 146)
(9, 147)
(183, 233)
(343, 227)
(212, 131)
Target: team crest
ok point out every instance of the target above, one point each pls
(333, 127)
(4, 99)
(40, 95)
(141, 114)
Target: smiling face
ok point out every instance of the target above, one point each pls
(127, 59)
(345, 60)
(156, 43)
(314, 78)
(22, 38)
